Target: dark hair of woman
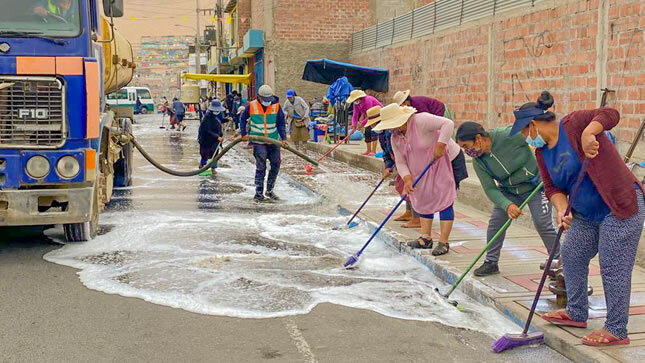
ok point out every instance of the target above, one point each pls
(545, 101)
(468, 131)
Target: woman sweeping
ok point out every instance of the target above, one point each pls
(607, 217)
(362, 102)
(507, 170)
(418, 139)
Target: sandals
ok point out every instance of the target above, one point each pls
(606, 339)
(441, 249)
(421, 242)
(561, 317)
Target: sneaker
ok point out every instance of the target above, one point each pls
(259, 198)
(271, 195)
(488, 268)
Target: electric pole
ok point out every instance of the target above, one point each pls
(198, 49)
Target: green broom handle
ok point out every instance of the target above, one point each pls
(495, 237)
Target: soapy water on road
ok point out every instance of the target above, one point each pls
(200, 244)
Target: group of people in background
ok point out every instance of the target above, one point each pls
(511, 162)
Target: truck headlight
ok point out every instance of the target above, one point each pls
(68, 167)
(37, 167)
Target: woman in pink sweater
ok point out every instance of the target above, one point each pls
(363, 102)
(418, 139)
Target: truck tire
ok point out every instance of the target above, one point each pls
(123, 166)
(144, 110)
(82, 232)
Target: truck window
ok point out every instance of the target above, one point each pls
(60, 18)
(143, 94)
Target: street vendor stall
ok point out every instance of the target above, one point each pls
(343, 77)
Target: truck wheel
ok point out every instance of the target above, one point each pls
(144, 110)
(81, 232)
(123, 166)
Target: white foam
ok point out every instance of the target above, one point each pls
(260, 262)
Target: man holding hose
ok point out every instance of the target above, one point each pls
(266, 119)
(507, 170)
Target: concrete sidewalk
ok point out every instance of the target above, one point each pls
(511, 291)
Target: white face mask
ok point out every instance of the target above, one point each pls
(266, 103)
(216, 112)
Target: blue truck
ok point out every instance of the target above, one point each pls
(62, 151)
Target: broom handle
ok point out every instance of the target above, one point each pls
(493, 239)
(365, 202)
(337, 145)
(403, 197)
(556, 246)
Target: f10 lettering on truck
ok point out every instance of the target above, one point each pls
(61, 149)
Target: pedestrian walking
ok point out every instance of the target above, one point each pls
(507, 171)
(608, 221)
(265, 118)
(179, 111)
(137, 106)
(296, 111)
(210, 133)
(418, 139)
(362, 102)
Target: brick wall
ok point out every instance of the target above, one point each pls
(320, 20)
(484, 69)
(257, 14)
(383, 10)
(243, 12)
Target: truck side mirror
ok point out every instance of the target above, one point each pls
(113, 8)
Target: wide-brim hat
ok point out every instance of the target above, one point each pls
(401, 96)
(394, 116)
(524, 117)
(356, 94)
(373, 115)
(240, 110)
(216, 106)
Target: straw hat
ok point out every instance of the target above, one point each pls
(356, 94)
(394, 116)
(401, 96)
(373, 115)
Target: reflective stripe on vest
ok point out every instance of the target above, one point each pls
(53, 8)
(264, 122)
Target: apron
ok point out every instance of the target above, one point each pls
(436, 190)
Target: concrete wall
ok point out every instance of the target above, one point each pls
(573, 48)
(290, 58)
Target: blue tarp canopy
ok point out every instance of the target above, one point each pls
(326, 71)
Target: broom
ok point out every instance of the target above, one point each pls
(351, 224)
(354, 258)
(492, 240)
(510, 341)
(309, 167)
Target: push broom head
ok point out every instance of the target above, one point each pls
(510, 341)
(351, 261)
(447, 299)
(309, 168)
(352, 225)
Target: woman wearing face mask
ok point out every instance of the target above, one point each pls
(607, 214)
(507, 170)
(417, 139)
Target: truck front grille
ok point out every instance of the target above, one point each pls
(32, 112)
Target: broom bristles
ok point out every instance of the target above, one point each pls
(510, 341)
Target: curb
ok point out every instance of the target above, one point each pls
(555, 337)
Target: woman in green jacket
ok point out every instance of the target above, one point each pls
(507, 170)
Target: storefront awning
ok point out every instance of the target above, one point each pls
(222, 78)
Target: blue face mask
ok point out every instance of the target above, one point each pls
(538, 142)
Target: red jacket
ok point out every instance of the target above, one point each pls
(607, 171)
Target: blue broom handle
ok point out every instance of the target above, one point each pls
(403, 197)
(556, 245)
(365, 202)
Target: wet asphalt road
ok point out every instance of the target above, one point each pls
(47, 314)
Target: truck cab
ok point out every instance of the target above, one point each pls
(60, 150)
